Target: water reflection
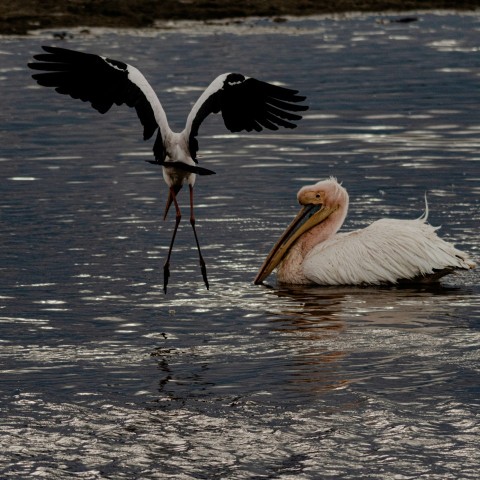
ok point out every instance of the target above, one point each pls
(309, 328)
(400, 306)
(321, 325)
(311, 340)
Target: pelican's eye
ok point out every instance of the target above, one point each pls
(318, 196)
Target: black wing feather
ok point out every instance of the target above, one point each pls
(249, 104)
(91, 78)
(254, 100)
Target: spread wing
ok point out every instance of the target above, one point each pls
(246, 104)
(103, 82)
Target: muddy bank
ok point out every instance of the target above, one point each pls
(21, 16)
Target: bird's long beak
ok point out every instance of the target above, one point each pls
(309, 216)
(176, 189)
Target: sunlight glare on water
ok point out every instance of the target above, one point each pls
(105, 376)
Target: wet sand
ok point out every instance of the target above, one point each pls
(18, 17)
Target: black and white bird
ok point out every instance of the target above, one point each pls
(245, 104)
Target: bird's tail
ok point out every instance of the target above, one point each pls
(176, 189)
(424, 215)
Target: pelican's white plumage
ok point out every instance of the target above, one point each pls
(388, 251)
(245, 104)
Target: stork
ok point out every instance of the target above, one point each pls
(245, 104)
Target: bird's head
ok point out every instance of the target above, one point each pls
(328, 193)
(319, 201)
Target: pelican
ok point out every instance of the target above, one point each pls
(388, 251)
(245, 104)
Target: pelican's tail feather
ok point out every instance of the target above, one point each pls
(424, 215)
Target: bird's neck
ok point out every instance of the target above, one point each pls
(291, 268)
(323, 231)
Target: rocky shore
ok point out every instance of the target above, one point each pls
(18, 17)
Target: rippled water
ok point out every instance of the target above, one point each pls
(104, 376)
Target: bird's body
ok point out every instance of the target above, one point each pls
(245, 104)
(388, 251)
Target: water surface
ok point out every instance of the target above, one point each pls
(104, 376)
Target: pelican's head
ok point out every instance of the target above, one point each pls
(328, 193)
(318, 202)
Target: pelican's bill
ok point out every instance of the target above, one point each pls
(308, 217)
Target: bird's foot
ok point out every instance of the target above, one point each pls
(166, 275)
(204, 274)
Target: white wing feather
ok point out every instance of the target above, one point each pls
(136, 77)
(386, 251)
(214, 87)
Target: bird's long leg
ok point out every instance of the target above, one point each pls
(178, 217)
(192, 223)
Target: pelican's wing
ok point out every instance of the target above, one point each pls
(387, 251)
(245, 104)
(102, 82)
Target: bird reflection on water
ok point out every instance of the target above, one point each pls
(331, 307)
(320, 320)
(310, 328)
(307, 340)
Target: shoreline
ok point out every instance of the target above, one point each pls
(19, 17)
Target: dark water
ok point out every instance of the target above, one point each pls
(103, 376)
